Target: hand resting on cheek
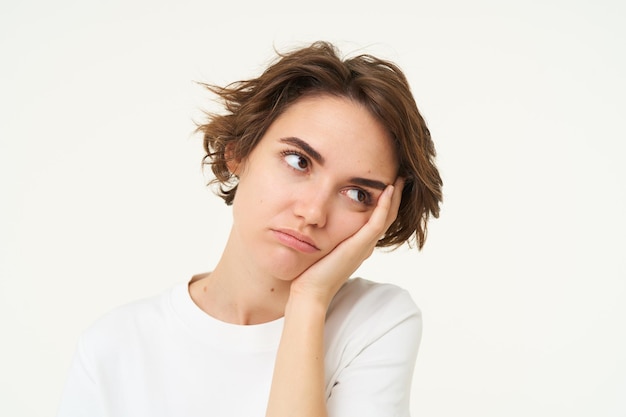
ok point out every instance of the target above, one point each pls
(324, 278)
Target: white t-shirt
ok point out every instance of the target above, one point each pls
(164, 356)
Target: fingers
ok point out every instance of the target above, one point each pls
(346, 257)
(385, 212)
(396, 198)
(362, 243)
(388, 204)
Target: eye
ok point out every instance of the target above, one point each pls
(359, 196)
(296, 161)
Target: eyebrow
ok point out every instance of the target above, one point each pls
(299, 143)
(379, 185)
(305, 147)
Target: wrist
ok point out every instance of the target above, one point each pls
(312, 303)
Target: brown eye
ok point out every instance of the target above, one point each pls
(297, 161)
(358, 196)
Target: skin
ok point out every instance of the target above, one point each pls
(314, 196)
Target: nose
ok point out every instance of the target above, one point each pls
(311, 205)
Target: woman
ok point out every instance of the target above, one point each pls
(322, 161)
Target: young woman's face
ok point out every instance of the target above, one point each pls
(311, 182)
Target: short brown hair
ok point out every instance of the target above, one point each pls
(253, 105)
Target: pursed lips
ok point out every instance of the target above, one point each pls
(296, 240)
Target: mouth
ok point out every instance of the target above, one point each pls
(295, 240)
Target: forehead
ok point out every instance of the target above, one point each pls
(337, 127)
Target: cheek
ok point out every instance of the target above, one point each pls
(348, 224)
(259, 200)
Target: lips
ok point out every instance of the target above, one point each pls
(295, 240)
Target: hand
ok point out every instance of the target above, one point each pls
(323, 279)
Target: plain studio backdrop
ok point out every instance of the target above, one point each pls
(522, 282)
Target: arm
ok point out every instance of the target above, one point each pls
(298, 383)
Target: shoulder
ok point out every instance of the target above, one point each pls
(370, 309)
(362, 297)
(127, 323)
(372, 335)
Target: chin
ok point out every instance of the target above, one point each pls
(286, 273)
(286, 267)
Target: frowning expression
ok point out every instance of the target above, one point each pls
(311, 182)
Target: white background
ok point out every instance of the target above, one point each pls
(522, 282)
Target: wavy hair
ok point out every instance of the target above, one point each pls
(251, 106)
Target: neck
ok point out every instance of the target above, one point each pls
(237, 293)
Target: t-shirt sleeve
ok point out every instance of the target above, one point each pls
(81, 397)
(375, 380)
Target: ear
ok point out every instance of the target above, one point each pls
(233, 167)
(232, 163)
